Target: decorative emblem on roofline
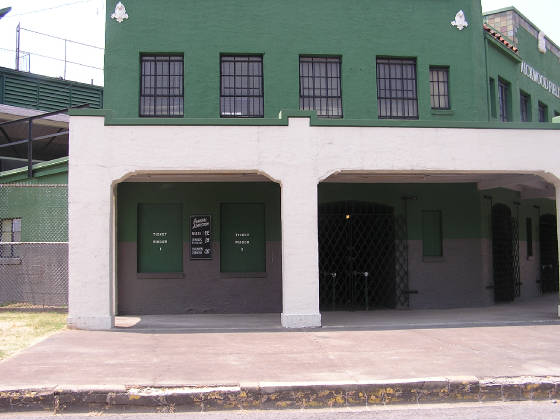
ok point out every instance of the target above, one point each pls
(120, 13)
(542, 42)
(460, 22)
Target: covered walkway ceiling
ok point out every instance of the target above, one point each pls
(198, 177)
(529, 185)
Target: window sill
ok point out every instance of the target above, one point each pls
(160, 275)
(443, 112)
(255, 275)
(10, 261)
(427, 259)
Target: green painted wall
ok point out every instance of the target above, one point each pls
(357, 30)
(459, 204)
(42, 207)
(28, 90)
(196, 199)
(43, 210)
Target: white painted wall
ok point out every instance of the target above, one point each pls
(297, 156)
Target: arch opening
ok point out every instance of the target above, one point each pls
(358, 259)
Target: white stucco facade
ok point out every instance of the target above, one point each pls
(297, 156)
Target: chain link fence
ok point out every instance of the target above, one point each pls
(34, 246)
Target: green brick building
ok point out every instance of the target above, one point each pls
(299, 157)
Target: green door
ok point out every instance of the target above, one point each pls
(160, 238)
(242, 244)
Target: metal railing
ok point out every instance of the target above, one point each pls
(30, 139)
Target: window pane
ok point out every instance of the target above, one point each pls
(396, 88)
(7, 225)
(439, 92)
(320, 86)
(161, 91)
(242, 86)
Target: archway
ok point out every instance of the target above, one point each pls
(504, 254)
(357, 256)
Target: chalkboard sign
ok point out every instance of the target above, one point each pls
(201, 237)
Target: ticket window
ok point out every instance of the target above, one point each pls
(242, 242)
(160, 238)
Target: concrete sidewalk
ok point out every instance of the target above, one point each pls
(312, 368)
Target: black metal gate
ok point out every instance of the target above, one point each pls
(505, 254)
(548, 239)
(362, 257)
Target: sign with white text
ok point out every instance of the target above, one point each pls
(201, 237)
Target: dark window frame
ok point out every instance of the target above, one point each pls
(8, 251)
(436, 96)
(524, 106)
(504, 92)
(250, 98)
(330, 101)
(543, 112)
(397, 96)
(492, 88)
(147, 111)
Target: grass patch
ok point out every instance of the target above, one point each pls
(19, 330)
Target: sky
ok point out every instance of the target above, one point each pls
(78, 20)
(83, 21)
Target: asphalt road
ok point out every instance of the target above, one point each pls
(547, 410)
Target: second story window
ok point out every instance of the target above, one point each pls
(161, 86)
(525, 107)
(503, 99)
(319, 86)
(396, 88)
(439, 87)
(241, 86)
(543, 112)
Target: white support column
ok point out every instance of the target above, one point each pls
(300, 252)
(90, 284)
(90, 288)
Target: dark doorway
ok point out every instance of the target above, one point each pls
(358, 256)
(549, 253)
(505, 254)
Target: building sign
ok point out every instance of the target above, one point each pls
(540, 79)
(201, 237)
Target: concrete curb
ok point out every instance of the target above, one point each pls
(281, 395)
